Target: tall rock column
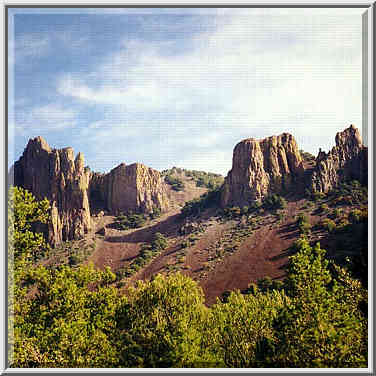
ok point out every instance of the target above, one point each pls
(62, 179)
(260, 167)
(348, 160)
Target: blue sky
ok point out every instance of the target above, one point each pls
(170, 87)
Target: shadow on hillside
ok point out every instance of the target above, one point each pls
(168, 227)
(285, 253)
(289, 231)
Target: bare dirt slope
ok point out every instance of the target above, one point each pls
(221, 254)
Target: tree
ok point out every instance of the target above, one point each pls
(323, 326)
(243, 324)
(163, 323)
(70, 322)
(24, 213)
(24, 246)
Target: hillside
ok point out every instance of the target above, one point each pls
(210, 231)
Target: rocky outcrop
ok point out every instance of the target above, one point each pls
(62, 179)
(260, 167)
(135, 187)
(348, 160)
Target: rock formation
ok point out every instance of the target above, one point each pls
(134, 187)
(260, 167)
(348, 160)
(274, 165)
(63, 180)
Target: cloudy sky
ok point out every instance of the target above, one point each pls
(180, 87)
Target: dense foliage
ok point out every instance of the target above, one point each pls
(75, 317)
(130, 220)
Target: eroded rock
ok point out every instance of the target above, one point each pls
(260, 167)
(56, 175)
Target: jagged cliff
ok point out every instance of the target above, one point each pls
(260, 167)
(348, 160)
(274, 165)
(62, 179)
(72, 189)
(134, 187)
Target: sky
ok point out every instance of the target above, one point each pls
(181, 87)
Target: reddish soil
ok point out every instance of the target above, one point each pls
(263, 253)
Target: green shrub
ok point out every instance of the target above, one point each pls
(328, 224)
(323, 208)
(160, 242)
(358, 216)
(198, 205)
(318, 196)
(274, 202)
(175, 182)
(129, 221)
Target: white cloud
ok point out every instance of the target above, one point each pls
(261, 72)
(48, 118)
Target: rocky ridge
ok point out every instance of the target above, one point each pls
(260, 167)
(348, 160)
(72, 189)
(274, 165)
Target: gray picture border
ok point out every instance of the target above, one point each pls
(368, 101)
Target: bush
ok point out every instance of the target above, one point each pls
(337, 213)
(316, 196)
(328, 224)
(160, 242)
(175, 182)
(156, 213)
(274, 202)
(323, 208)
(358, 216)
(129, 221)
(198, 205)
(303, 224)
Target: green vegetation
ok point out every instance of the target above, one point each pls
(147, 253)
(175, 182)
(303, 224)
(203, 179)
(352, 193)
(198, 205)
(75, 317)
(274, 202)
(328, 224)
(130, 220)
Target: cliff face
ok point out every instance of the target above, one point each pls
(134, 187)
(260, 167)
(274, 165)
(61, 178)
(348, 160)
